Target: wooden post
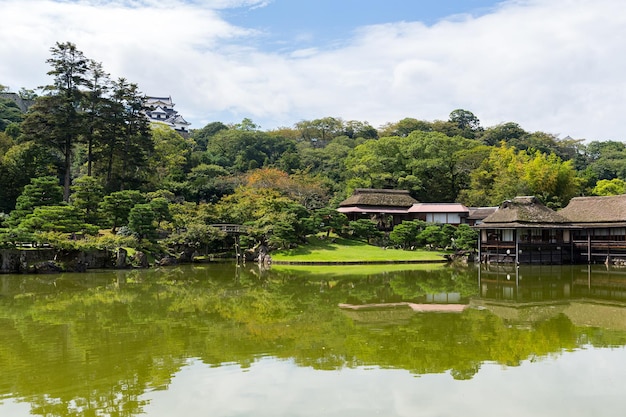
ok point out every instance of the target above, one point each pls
(237, 252)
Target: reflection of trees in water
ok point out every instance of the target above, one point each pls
(99, 341)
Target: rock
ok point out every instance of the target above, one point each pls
(47, 267)
(122, 259)
(141, 260)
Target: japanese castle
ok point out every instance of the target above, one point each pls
(161, 110)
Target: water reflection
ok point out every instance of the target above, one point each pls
(99, 343)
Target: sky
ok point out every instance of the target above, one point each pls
(556, 66)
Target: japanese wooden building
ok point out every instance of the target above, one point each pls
(524, 231)
(390, 207)
(385, 207)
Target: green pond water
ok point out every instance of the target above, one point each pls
(227, 340)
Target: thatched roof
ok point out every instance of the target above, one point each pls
(379, 198)
(525, 211)
(479, 213)
(609, 209)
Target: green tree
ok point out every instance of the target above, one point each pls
(606, 160)
(22, 162)
(42, 191)
(508, 173)
(244, 150)
(404, 127)
(329, 220)
(201, 137)
(195, 236)
(431, 236)
(405, 234)
(62, 219)
(116, 207)
(9, 113)
(87, 194)
(206, 182)
(124, 154)
(141, 220)
(96, 107)
(616, 186)
(320, 131)
(357, 129)
(161, 208)
(363, 229)
(467, 122)
(170, 156)
(510, 133)
(55, 119)
(465, 237)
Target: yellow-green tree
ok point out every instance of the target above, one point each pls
(507, 173)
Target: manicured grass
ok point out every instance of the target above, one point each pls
(353, 270)
(338, 250)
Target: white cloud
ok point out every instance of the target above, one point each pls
(550, 65)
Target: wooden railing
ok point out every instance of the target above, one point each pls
(235, 229)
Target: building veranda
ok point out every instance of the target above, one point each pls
(524, 231)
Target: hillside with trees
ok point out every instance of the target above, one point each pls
(84, 159)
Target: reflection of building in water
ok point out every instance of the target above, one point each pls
(546, 283)
(588, 296)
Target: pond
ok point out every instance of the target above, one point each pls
(395, 340)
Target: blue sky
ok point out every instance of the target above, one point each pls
(555, 66)
(300, 23)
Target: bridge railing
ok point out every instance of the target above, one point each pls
(231, 228)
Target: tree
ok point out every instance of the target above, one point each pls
(509, 132)
(170, 155)
(606, 160)
(467, 122)
(206, 182)
(404, 127)
(116, 206)
(616, 186)
(9, 113)
(202, 136)
(55, 119)
(87, 194)
(405, 234)
(129, 142)
(20, 164)
(195, 235)
(62, 219)
(243, 150)
(141, 220)
(508, 173)
(431, 236)
(356, 129)
(96, 106)
(465, 237)
(363, 229)
(42, 191)
(329, 220)
(320, 130)
(161, 208)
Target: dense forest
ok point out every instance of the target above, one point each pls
(83, 159)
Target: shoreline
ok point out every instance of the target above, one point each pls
(423, 261)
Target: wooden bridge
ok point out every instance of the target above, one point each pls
(231, 229)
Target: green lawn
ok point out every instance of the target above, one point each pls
(360, 270)
(337, 250)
